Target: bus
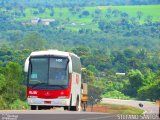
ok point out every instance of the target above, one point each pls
(53, 80)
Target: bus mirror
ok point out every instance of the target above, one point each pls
(26, 65)
(24, 82)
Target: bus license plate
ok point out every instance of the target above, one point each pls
(47, 102)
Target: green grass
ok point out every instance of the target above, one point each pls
(148, 10)
(17, 105)
(63, 13)
(67, 18)
(122, 109)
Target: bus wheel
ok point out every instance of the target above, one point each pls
(33, 107)
(75, 108)
(40, 107)
(66, 107)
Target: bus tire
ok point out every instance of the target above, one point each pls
(33, 107)
(66, 107)
(75, 108)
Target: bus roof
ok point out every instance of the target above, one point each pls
(53, 52)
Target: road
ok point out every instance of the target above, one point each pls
(53, 115)
(67, 115)
(151, 113)
(148, 107)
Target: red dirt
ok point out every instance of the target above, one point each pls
(104, 109)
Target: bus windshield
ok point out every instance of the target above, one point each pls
(48, 71)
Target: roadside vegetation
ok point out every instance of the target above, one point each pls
(115, 109)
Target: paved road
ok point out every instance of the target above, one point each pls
(67, 115)
(53, 115)
(148, 107)
(59, 114)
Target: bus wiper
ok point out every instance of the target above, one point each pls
(60, 86)
(38, 84)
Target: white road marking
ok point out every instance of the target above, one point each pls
(96, 118)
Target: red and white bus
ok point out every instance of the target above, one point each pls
(54, 79)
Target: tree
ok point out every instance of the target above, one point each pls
(35, 12)
(41, 9)
(133, 63)
(52, 14)
(2, 83)
(115, 12)
(139, 14)
(149, 76)
(151, 91)
(85, 13)
(124, 23)
(87, 76)
(134, 21)
(92, 69)
(136, 80)
(142, 54)
(149, 19)
(81, 51)
(98, 11)
(124, 15)
(54, 23)
(13, 78)
(118, 57)
(129, 53)
(101, 24)
(104, 26)
(94, 94)
(33, 41)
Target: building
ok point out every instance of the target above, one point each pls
(46, 21)
(37, 21)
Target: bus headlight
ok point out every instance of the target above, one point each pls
(32, 96)
(30, 101)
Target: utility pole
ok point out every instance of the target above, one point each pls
(91, 103)
(159, 107)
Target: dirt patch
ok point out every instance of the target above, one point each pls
(103, 108)
(97, 108)
(111, 109)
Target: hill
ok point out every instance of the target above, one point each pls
(77, 17)
(148, 10)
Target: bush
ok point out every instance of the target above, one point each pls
(17, 104)
(151, 91)
(115, 94)
(3, 104)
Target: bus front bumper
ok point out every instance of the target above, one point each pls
(48, 102)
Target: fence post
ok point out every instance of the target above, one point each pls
(91, 103)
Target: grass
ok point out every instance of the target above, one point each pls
(67, 18)
(116, 109)
(148, 10)
(122, 109)
(63, 13)
(18, 105)
(115, 94)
